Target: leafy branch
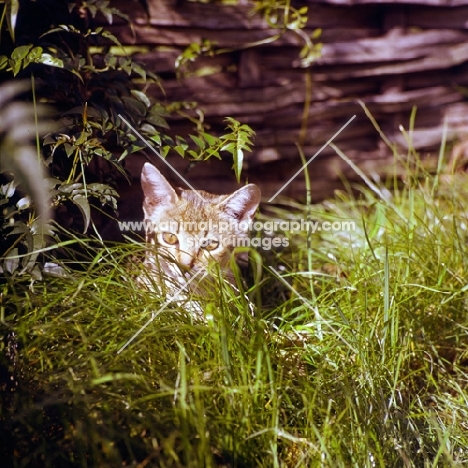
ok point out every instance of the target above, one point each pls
(280, 16)
(235, 142)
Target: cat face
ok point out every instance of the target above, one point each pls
(191, 229)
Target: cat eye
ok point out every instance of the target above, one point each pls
(169, 238)
(210, 244)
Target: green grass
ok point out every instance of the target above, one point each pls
(365, 364)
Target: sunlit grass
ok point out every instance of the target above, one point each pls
(360, 361)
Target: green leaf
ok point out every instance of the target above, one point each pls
(107, 14)
(69, 149)
(35, 54)
(50, 60)
(157, 120)
(147, 128)
(93, 10)
(198, 141)
(82, 137)
(54, 269)
(54, 30)
(156, 138)
(134, 106)
(111, 37)
(210, 139)
(133, 148)
(181, 142)
(110, 60)
(16, 66)
(3, 61)
(21, 52)
(231, 147)
(82, 203)
(238, 161)
(63, 28)
(19, 228)
(141, 97)
(180, 150)
(69, 188)
(316, 33)
(8, 190)
(138, 70)
(210, 152)
(12, 261)
(79, 110)
(125, 65)
(98, 187)
(159, 110)
(35, 272)
(23, 203)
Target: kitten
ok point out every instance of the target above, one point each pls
(191, 230)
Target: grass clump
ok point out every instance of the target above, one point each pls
(358, 361)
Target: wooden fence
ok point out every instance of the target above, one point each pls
(389, 56)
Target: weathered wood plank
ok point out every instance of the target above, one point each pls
(187, 14)
(171, 36)
(240, 38)
(437, 17)
(436, 57)
(328, 14)
(445, 58)
(286, 111)
(219, 90)
(406, 47)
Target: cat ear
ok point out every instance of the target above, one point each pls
(243, 203)
(156, 188)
